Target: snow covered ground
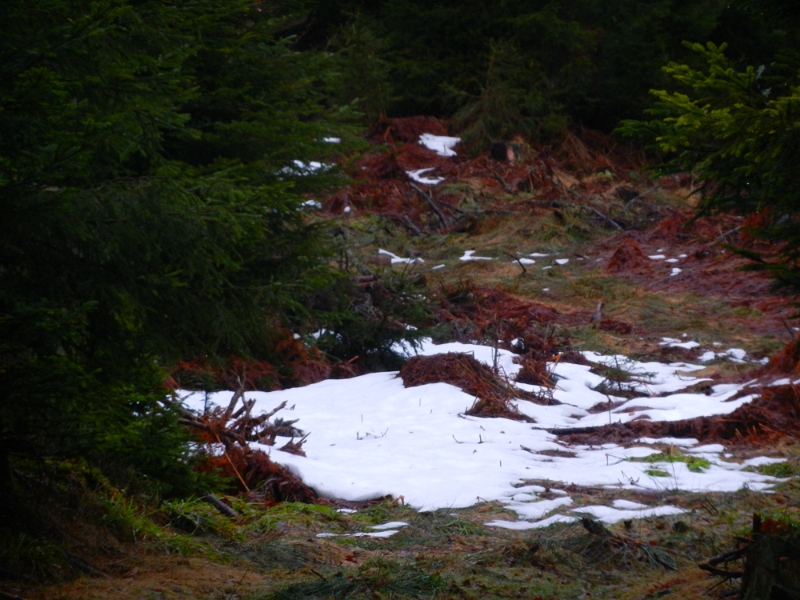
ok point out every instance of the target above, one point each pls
(371, 436)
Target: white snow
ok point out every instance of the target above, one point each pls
(370, 436)
(389, 525)
(672, 342)
(561, 261)
(468, 255)
(675, 271)
(418, 176)
(441, 144)
(612, 515)
(657, 257)
(373, 534)
(396, 259)
(302, 168)
(737, 353)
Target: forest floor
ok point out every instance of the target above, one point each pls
(559, 230)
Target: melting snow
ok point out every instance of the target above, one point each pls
(673, 343)
(389, 525)
(396, 259)
(302, 168)
(468, 255)
(418, 176)
(371, 436)
(441, 144)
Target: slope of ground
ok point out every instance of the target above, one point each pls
(562, 249)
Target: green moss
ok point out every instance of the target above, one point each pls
(656, 473)
(781, 469)
(693, 463)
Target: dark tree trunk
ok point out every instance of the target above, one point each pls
(772, 568)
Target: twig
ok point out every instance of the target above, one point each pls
(570, 430)
(238, 585)
(410, 225)
(601, 215)
(232, 404)
(220, 506)
(721, 572)
(230, 462)
(519, 260)
(726, 234)
(792, 334)
(436, 209)
(507, 188)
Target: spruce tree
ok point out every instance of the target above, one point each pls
(146, 213)
(737, 129)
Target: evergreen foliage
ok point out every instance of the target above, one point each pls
(146, 213)
(738, 130)
(529, 67)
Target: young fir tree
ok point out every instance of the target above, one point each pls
(738, 130)
(146, 213)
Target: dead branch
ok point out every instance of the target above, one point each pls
(232, 404)
(507, 188)
(410, 225)
(220, 506)
(429, 197)
(721, 572)
(517, 259)
(293, 447)
(570, 430)
(726, 235)
(601, 215)
(247, 406)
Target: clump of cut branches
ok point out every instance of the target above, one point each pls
(250, 471)
(493, 395)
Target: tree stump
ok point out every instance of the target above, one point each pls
(772, 567)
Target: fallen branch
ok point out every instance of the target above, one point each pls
(507, 188)
(570, 430)
(726, 234)
(410, 225)
(601, 215)
(721, 572)
(220, 506)
(429, 197)
(232, 404)
(517, 259)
